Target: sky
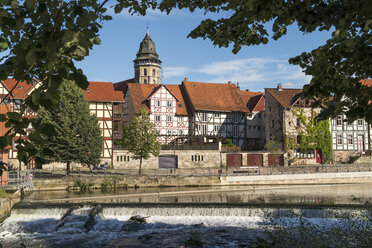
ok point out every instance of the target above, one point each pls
(255, 67)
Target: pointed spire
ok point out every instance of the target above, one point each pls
(147, 31)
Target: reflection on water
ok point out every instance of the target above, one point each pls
(356, 194)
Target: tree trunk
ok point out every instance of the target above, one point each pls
(68, 168)
(140, 167)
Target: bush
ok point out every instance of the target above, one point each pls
(228, 143)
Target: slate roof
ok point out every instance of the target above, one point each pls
(214, 96)
(21, 90)
(103, 92)
(123, 85)
(285, 97)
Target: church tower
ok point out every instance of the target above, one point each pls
(147, 68)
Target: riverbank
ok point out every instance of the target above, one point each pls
(7, 203)
(134, 181)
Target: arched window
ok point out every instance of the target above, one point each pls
(153, 72)
(145, 72)
(153, 81)
(145, 81)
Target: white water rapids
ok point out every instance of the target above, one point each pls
(166, 225)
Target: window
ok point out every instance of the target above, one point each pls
(259, 115)
(223, 128)
(157, 103)
(169, 132)
(350, 139)
(117, 158)
(145, 81)
(258, 128)
(204, 116)
(272, 124)
(298, 139)
(339, 139)
(216, 128)
(180, 118)
(153, 73)
(169, 118)
(216, 114)
(360, 122)
(192, 157)
(17, 104)
(270, 109)
(235, 131)
(180, 132)
(169, 104)
(145, 72)
(204, 131)
(339, 120)
(249, 127)
(254, 127)
(153, 81)
(157, 118)
(180, 105)
(236, 117)
(298, 122)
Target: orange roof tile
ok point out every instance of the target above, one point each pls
(251, 99)
(103, 92)
(366, 82)
(182, 108)
(20, 90)
(285, 97)
(138, 94)
(214, 97)
(257, 103)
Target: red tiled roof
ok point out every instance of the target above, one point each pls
(123, 85)
(182, 108)
(103, 92)
(21, 90)
(257, 103)
(138, 94)
(285, 97)
(250, 99)
(215, 97)
(366, 82)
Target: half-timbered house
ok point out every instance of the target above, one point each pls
(107, 105)
(255, 127)
(217, 110)
(165, 105)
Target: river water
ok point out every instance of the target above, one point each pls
(187, 217)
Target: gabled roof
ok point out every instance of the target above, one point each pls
(138, 94)
(214, 97)
(251, 99)
(20, 90)
(103, 92)
(182, 108)
(141, 93)
(257, 103)
(285, 97)
(123, 85)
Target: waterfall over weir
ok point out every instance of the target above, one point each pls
(166, 225)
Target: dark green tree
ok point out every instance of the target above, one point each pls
(77, 136)
(140, 138)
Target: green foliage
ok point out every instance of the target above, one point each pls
(83, 186)
(228, 143)
(140, 137)
(272, 146)
(77, 136)
(42, 39)
(314, 134)
(336, 66)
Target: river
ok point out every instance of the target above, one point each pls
(177, 217)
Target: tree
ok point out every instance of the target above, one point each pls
(140, 138)
(77, 135)
(336, 67)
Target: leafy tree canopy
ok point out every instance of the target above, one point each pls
(140, 137)
(77, 135)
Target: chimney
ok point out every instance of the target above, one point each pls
(279, 88)
(237, 85)
(186, 80)
(229, 82)
(247, 90)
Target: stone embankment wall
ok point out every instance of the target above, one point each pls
(6, 205)
(125, 181)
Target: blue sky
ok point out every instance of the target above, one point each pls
(255, 67)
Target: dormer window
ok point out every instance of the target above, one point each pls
(19, 87)
(87, 90)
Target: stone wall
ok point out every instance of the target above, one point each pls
(274, 119)
(6, 205)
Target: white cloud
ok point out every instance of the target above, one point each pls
(150, 14)
(253, 73)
